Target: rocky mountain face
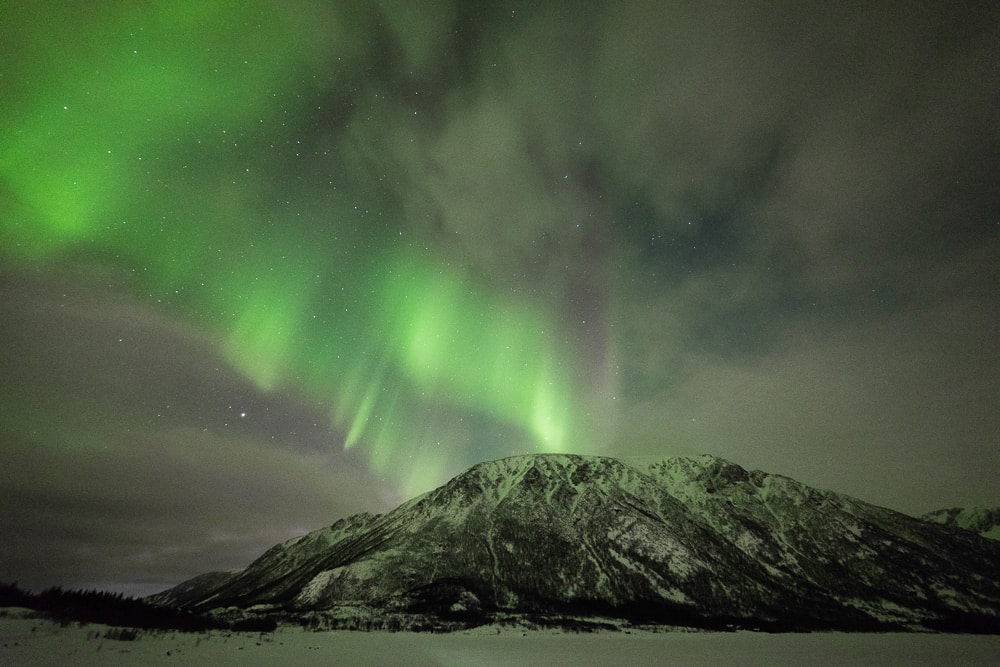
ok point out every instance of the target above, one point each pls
(693, 541)
(982, 520)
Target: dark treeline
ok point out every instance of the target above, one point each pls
(93, 606)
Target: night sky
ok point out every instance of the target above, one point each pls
(266, 264)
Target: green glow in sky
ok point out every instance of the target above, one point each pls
(490, 355)
(270, 263)
(148, 159)
(100, 108)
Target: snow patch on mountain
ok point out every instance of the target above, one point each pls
(982, 520)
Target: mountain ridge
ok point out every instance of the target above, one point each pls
(685, 541)
(982, 520)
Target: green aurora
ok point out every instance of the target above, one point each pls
(135, 153)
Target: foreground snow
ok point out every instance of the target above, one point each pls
(27, 641)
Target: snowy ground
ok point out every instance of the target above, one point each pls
(30, 642)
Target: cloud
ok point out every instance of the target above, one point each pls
(896, 412)
(134, 453)
(160, 506)
(783, 208)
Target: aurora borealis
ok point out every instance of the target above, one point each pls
(266, 264)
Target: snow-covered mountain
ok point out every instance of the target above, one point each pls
(982, 520)
(690, 540)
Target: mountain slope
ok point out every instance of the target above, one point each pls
(985, 521)
(690, 540)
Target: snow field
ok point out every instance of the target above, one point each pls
(34, 642)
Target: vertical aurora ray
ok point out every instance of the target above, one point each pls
(488, 353)
(439, 341)
(262, 338)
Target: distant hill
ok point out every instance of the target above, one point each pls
(692, 541)
(985, 521)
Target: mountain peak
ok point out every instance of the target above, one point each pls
(694, 540)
